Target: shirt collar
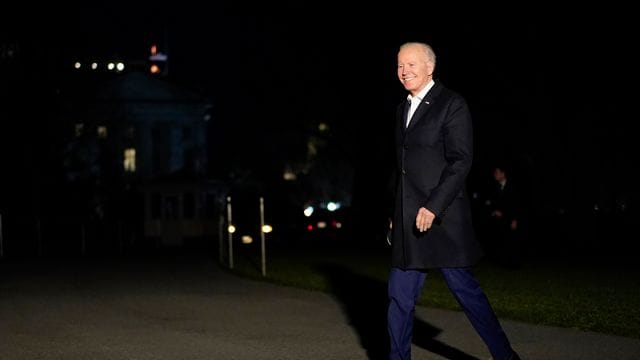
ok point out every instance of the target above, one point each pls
(422, 92)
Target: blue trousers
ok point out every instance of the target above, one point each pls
(404, 290)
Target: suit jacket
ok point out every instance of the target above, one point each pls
(434, 155)
(507, 201)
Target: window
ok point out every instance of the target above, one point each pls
(156, 206)
(130, 160)
(186, 133)
(79, 129)
(170, 210)
(102, 132)
(188, 205)
(131, 132)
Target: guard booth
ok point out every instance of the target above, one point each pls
(184, 213)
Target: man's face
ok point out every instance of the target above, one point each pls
(415, 69)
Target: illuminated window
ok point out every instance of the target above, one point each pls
(102, 132)
(79, 129)
(130, 160)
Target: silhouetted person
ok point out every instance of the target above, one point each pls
(431, 227)
(505, 219)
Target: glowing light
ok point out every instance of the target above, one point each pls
(77, 65)
(231, 229)
(94, 66)
(130, 160)
(246, 239)
(289, 175)
(111, 66)
(308, 211)
(119, 66)
(154, 69)
(267, 229)
(102, 132)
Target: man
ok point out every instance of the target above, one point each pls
(432, 226)
(504, 215)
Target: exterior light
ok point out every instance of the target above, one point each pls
(289, 175)
(77, 65)
(231, 229)
(308, 211)
(331, 206)
(267, 229)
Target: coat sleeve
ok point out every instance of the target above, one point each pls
(458, 152)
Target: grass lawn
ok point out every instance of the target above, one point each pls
(581, 294)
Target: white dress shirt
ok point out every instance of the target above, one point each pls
(416, 100)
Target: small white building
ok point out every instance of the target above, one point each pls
(142, 132)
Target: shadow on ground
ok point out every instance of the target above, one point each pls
(364, 301)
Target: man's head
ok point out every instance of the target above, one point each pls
(499, 173)
(416, 63)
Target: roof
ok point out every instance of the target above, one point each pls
(141, 87)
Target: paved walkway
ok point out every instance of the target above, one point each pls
(190, 309)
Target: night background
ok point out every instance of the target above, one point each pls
(297, 104)
(125, 128)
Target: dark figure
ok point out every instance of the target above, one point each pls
(431, 227)
(505, 220)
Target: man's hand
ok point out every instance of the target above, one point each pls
(424, 219)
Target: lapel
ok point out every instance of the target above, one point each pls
(401, 118)
(425, 105)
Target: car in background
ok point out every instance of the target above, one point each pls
(325, 222)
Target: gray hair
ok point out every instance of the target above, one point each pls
(428, 50)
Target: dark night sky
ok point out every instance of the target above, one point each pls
(544, 87)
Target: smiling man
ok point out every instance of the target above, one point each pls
(432, 226)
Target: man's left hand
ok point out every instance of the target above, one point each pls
(424, 219)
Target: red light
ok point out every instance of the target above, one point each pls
(309, 227)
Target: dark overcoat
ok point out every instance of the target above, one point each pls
(434, 155)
